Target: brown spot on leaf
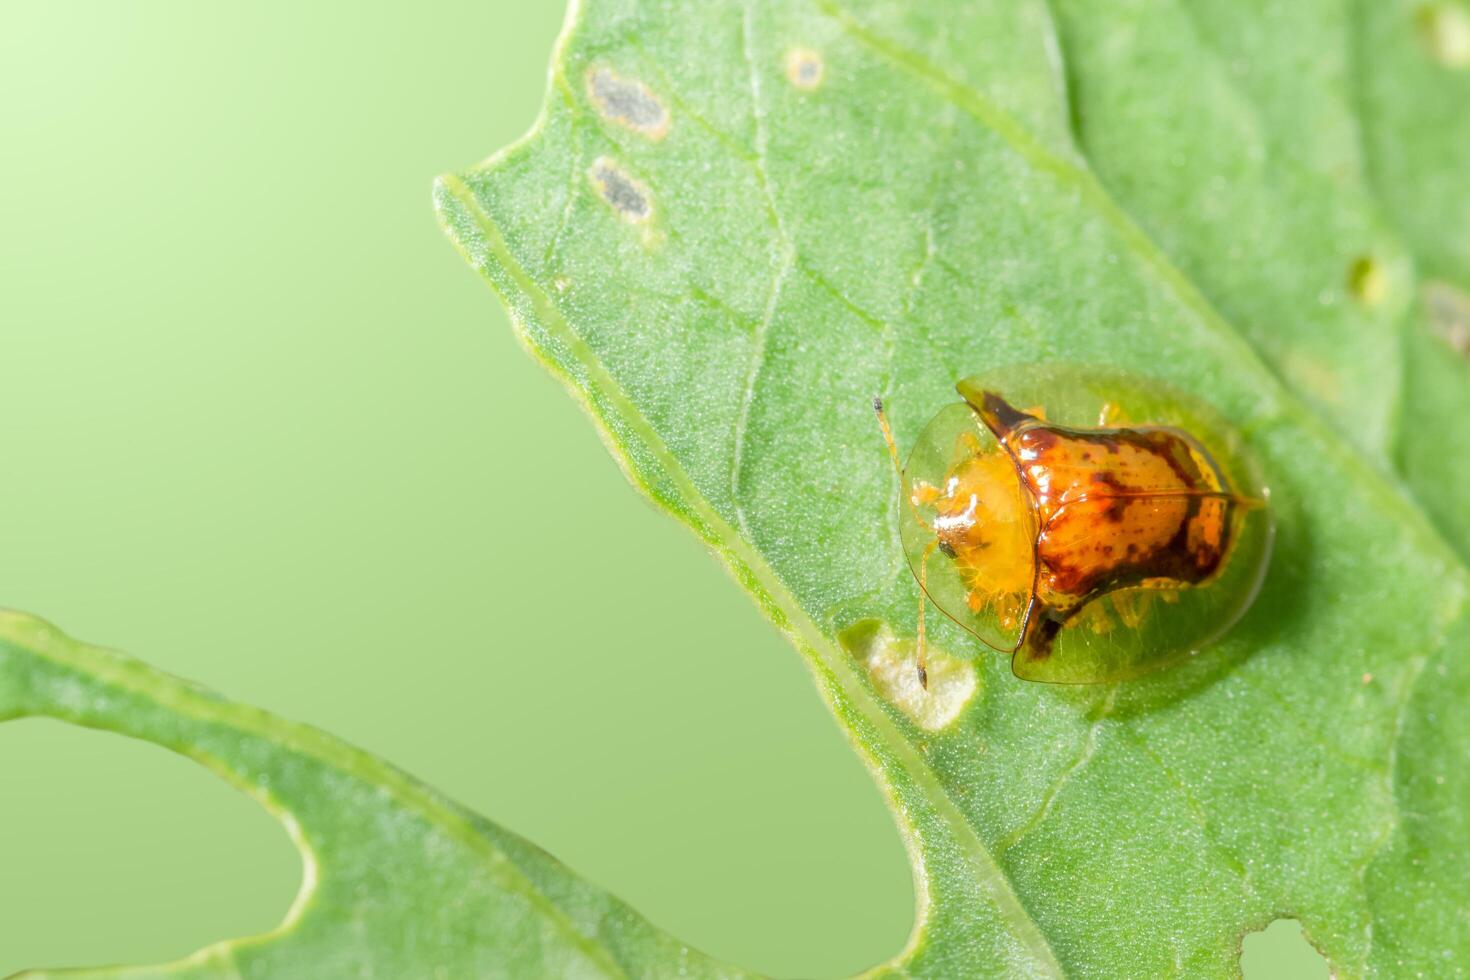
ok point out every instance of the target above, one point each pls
(1448, 311)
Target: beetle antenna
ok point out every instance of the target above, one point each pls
(921, 642)
(898, 466)
(893, 455)
(888, 436)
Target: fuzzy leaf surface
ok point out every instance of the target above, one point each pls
(736, 223)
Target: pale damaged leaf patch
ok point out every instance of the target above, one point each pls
(1449, 315)
(891, 664)
(627, 102)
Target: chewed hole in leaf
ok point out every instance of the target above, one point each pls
(389, 848)
(1281, 952)
(890, 664)
(110, 830)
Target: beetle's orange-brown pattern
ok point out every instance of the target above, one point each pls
(1040, 521)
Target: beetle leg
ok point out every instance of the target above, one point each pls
(1165, 588)
(1008, 610)
(1131, 607)
(923, 493)
(967, 444)
(919, 661)
(1095, 617)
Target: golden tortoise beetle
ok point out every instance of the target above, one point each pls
(1108, 527)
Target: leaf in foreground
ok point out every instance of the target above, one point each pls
(399, 882)
(736, 223)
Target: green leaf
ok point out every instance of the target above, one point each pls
(736, 223)
(398, 882)
(1312, 183)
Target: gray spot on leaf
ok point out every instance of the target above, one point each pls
(629, 198)
(627, 102)
(804, 68)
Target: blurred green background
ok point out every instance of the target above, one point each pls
(265, 429)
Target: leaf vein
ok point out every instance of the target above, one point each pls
(1078, 763)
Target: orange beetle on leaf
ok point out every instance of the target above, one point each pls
(1090, 552)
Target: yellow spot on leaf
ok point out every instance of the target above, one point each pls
(1367, 281)
(1445, 30)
